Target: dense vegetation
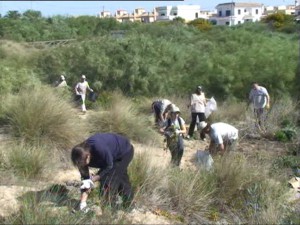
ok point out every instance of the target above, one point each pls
(129, 70)
(154, 59)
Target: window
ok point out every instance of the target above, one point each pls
(162, 14)
(228, 12)
(196, 15)
(227, 23)
(239, 22)
(256, 11)
(245, 10)
(220, 13)
(175, 14)
(239, 12)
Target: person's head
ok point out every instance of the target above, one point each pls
(204, 127)
(198, 89)
(80, 155)
(175, 111)
(254, 85)
(62, 77)
(83, 77)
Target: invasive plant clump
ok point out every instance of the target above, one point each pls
(38, 116)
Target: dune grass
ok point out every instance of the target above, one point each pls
(121, 116)
(41, 117)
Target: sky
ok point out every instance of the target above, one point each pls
(93, 8)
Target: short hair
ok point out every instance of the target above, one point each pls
(79, 153)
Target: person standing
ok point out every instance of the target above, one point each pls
(197, 104)
(223, 136)
(174, 129)
(260, 99)
(80, 90)
(111, 153)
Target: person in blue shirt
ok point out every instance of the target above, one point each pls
(111, 153)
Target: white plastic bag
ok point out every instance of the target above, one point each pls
(211, 106)
(204, 160)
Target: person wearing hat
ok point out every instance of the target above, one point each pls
(260, 99)
(223, 136)
(174, 129)
(61, 82)
(80, 90)
(197, 104)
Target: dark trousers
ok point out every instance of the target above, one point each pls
(201, 117)
(156, 108)
(176, 148)
(116, 181)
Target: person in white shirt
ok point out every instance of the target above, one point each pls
(61, 82)
(260, 99)
(197, 104)
(161, 108)
(80, 90)
(222, 135)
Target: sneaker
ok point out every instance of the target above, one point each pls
(204, 139)
(188, 137)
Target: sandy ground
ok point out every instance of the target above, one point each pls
(9, 194)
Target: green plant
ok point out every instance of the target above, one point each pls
(122, 117)
(39, 116)
(26, 161)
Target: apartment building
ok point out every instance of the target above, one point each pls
(187, 12)
(234, 13)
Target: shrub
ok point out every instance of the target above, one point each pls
(25, 161)
(38, 116)
(122, 117)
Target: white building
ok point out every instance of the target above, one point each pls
(234, 13)
(105, 14)
(187, 12)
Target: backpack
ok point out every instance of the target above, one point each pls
(179, 121)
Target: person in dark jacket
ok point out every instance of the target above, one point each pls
(111, 153)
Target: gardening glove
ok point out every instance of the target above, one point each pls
(91, 90)
(177, 132)
(87, 184)
(268, 106)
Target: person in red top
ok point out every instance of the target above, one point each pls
(111, 153)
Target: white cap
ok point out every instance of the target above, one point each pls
(62, 77)
(83, 76)
(202, 125)
(175, 109)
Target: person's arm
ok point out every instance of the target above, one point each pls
(88, 86)
(204, 99)
(268, 100)
(221, 148)
(76, 89)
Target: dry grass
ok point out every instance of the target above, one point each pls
(122, 117)
(40, 117)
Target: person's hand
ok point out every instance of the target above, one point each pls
(87, 184)
(91, 90)
(268, 106)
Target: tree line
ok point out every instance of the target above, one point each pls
(159, 58)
